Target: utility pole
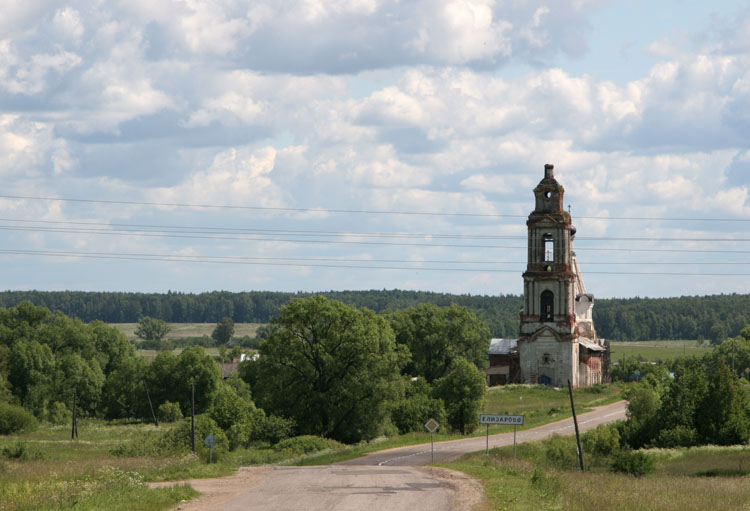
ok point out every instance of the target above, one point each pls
(74, 429)
(575, 422)
(192, 414)
(150, 405)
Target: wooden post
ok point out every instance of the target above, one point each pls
(192, 415)
(432, 445)
(150, 405)
(575, 422)
(74, 429)
(487, 450)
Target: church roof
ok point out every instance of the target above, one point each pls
(591, 345)
(502, 346)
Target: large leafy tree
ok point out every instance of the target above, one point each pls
(170, 378)
(224, 331)
(330, 367)
(124, 391)
(436, 336)
(723, 417)
(462, 390)
(152, 329)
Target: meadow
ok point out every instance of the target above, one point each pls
(182, 330)
(683, 480)
(657, 351)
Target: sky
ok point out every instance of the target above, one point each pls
(315, 145)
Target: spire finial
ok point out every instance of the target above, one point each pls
(548, 171)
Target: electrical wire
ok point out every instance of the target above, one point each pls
(276, 262)
(353, 211)
(318, 233)
(208, 236)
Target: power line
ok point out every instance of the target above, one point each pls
(319, 233)
(273, 262)
(209, 236)
(353, 211)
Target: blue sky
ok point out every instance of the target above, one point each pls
(311, 145)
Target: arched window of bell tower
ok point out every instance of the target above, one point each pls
(549, 247)
(547, 306)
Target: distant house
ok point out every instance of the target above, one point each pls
(228, 368)
(505, 366)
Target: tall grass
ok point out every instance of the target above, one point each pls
(539, 481)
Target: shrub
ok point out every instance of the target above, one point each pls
(239, 435)
(177, 439)
(21, 451)
(229, 408)
(561, 452)
(169, 412)
(58, 413)
(411, 413)
(307, 444)
(272, 429)
(679, 436)
(635, 463)
(602, 441)
(14, 419)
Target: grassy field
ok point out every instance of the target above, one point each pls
(680, 482)
(181, 330)
(59, 473)
(655, 351)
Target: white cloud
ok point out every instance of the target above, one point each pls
(68, 22)
(236, 176)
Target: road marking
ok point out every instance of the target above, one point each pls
(402, 457)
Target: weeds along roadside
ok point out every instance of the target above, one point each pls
(544, 476)
(108, 467)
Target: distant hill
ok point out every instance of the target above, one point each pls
(689, 317)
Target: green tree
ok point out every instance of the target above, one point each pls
(462, 390)
(722, 417)
(416, 407)
(124, 391)
(330, 367)
(194, 365)
(31, 364)
(643, 409)
(151, 329)
(436, 336)
(228, 408)
(224, 331)
(85, 377)
(112, 347)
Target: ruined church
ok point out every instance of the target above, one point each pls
(557, 341)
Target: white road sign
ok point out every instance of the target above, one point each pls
(512, 420)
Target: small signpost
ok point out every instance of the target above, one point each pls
(209, 442)
(515, 420)
(432, 425)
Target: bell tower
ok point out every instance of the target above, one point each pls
(548, 342)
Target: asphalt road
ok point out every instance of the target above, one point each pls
(443, 451)
(394, 480)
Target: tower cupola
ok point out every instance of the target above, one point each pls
(549, 193)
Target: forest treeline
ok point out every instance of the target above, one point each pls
(713, 317)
